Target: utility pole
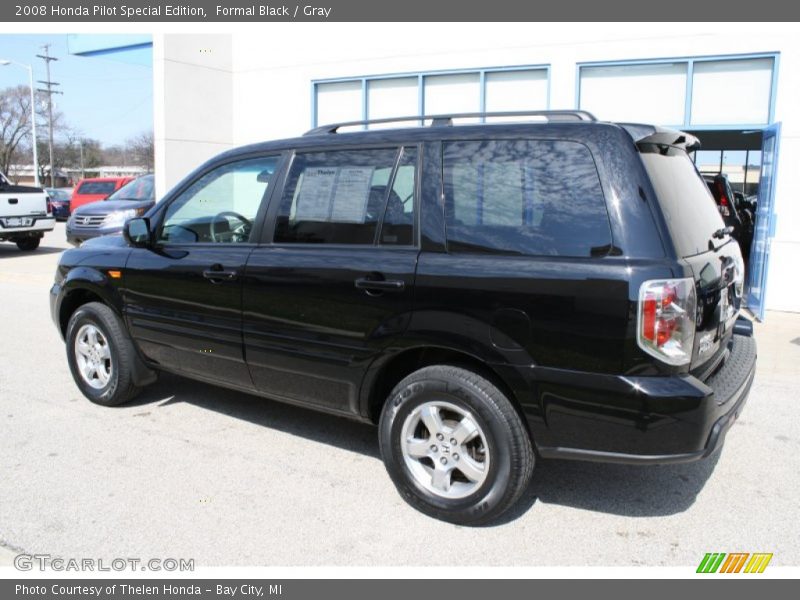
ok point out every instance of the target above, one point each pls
(49, 91)
(83, 171)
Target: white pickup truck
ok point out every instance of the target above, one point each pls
(25, 214)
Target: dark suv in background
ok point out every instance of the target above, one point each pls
(485, 293)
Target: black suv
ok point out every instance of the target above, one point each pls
(485, 293)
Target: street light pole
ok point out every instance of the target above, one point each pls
(33, 117)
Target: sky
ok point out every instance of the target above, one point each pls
(105, 97)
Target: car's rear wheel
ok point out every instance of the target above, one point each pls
(101, 355)
(28, 244)
(454, 445)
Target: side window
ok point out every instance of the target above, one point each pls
(343, 196)
(524, 197)
(221, 206)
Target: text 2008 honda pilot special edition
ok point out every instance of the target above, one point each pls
(485, 293)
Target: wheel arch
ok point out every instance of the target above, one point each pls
(382, 377)
(94, 286)
(81, 286)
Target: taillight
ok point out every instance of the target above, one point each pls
(666, 322)
(49, 205)
(723, 200)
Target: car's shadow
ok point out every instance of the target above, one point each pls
(303, 422)
(628, 490)
(10, 250)
(618, 489)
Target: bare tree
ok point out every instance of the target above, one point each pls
(15, 124)
(70, 149)
(140, 150)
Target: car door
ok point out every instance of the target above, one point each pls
(333, 286)
(183, 295)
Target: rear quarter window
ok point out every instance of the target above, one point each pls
(524, 197)
(688, 207)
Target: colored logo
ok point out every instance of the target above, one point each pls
(734, 562)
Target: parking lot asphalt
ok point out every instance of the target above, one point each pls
(194, 471)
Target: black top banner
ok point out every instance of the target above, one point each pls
(81, 11)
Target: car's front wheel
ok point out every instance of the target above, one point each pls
(454, 445)
(101, 355)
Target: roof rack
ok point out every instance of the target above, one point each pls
(447, 120)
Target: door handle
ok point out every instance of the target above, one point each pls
(219, 275)
(383, 285)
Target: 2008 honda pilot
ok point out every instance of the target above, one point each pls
(486, 293)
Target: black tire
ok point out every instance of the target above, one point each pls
(28, 244)
(120, 387)
(503, 435)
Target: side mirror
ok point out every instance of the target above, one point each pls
(137, 232)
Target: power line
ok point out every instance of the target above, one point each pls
(49, 91)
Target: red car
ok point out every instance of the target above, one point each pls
(95, 188)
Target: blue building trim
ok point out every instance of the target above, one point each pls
(115, 50)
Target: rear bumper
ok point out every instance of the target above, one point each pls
(39, 227)
(647, 419)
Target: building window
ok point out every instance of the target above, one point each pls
(516, 90)
(339, 101)
(432, 93)
(732, 91)
(635, 93)
(692, 92)
(459, 93)
(396, 97)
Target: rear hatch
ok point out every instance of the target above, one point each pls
(19, 204)
(701, 239)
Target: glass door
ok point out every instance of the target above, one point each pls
(764, 225)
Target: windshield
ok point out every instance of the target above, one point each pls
(139, 190)
(688, 206)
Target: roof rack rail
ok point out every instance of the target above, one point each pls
(447, 120)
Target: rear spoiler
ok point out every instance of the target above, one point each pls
(652, 134)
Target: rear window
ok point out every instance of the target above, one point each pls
(524, 197)
(60, 195)
(97, 187)
(688, 206)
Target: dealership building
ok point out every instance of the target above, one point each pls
(736, 87)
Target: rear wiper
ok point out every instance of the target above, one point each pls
(721, 233)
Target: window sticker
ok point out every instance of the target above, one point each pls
(334, 194)
(351, 195)
(314, 195)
